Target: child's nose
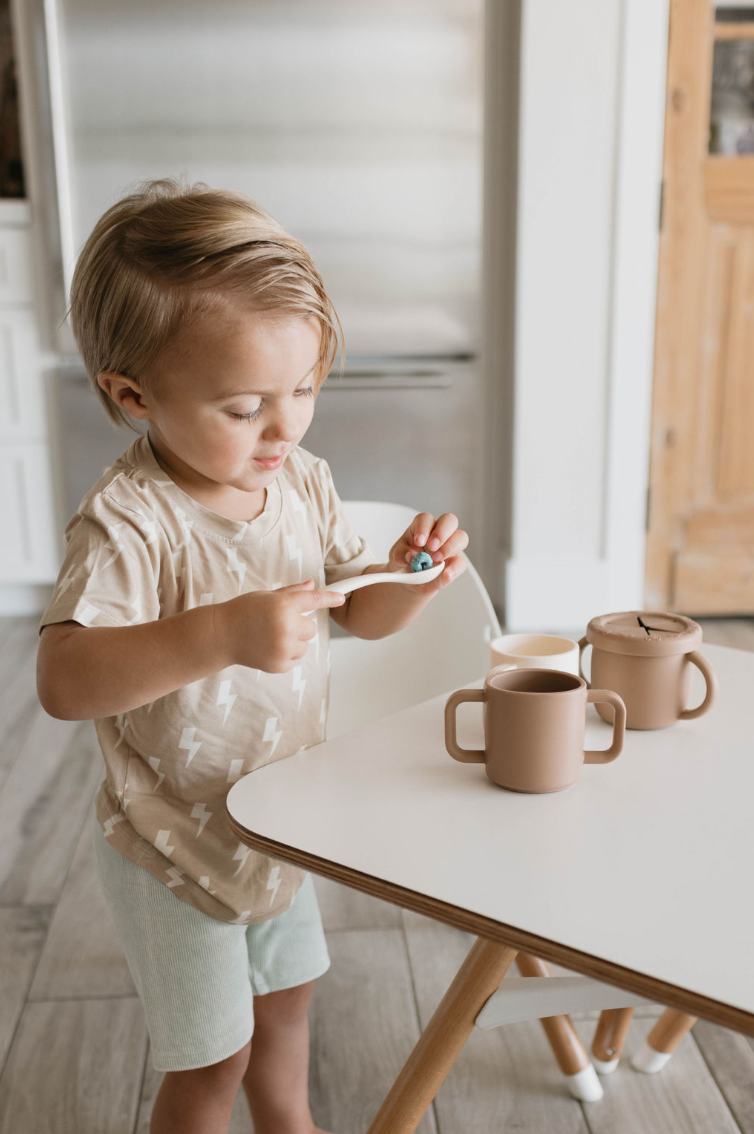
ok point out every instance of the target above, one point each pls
(282, 425)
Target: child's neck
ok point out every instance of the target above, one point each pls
(231, 503)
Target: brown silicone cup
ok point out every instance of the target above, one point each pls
(534, 722)
(652, 672)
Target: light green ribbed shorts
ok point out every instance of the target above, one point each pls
(196, 976)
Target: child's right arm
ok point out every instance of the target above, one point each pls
(84, 673)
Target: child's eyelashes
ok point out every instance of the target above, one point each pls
(308, 392)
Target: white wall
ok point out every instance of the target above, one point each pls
(589, 174)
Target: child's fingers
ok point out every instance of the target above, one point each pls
(418, 533)
(442, 531)
(457, 543)
(316, 600)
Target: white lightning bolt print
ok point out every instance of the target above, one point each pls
(271, 733)
(296, 502)
(200, 812)
(161, 843)
(207, 598)
(114, 544)
(121, 723)
(174, 874)
(235, 771)
(154, 764)
(87, 615)
(232, 565)
(188, 743)
(204, 883)
(273, 882)
(225, 697)
(66, 581)
(299, 683)
(148, 529)
(241, 919)
(110, 823)
(242, 853)
(295, 552)
(136, 608)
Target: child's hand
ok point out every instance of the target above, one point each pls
(269, 630)
(441, 539)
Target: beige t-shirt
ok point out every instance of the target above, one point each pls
(140, 548)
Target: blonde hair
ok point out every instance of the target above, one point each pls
(161, 255)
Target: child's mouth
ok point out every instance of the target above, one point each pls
(273, 463)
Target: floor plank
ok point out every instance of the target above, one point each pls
(42, 808)
(82, 956)
(75, 1067)
(730, 1058)
(363, 1028)
(22, 936)
(19, 706)
(682, 1099)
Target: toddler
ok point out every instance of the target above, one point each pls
(189, 622)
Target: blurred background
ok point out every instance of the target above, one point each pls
(528, 216)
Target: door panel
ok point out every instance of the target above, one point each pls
(700, 537)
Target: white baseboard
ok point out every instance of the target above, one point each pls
(17, 600)
(547, 592)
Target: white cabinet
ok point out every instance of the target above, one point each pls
(28, 552)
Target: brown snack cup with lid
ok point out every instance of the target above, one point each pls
(646, 657)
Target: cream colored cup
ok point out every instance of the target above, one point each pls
(535, 651)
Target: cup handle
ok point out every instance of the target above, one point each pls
(582, 646)
(710, 677)
(465, 755)
(606, 697)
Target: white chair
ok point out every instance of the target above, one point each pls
(444, 649)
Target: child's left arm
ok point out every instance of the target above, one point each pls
(375, 612)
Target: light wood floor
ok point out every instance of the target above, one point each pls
(73, 1045)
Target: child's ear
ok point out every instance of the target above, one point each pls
(125, 392)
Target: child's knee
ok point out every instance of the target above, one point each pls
(227, 1074)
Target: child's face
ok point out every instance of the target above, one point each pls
(235, 393)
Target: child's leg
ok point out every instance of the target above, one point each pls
(277, 1080)
(199, 1101)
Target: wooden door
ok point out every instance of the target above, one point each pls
(700, 531)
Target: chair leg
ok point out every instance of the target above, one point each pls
(442, 1039)
(662, 1041)
(609, 1038)
(567, 1047)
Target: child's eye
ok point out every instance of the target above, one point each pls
(305, 393)
(247, 416)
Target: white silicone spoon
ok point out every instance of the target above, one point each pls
(403, 575)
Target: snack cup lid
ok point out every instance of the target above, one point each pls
(644, 633)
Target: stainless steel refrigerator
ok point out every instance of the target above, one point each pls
(358, 125)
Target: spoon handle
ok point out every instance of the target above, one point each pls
(345, 586)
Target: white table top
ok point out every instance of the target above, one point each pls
(645, 863)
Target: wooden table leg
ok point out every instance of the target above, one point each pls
(609, 1038)
(442, 1039)
(567, 1047)
(662, 1041)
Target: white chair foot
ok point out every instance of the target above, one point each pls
(648, 1060)
(585, 1085)
(605, 1066)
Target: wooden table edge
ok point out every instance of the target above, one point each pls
(660, 992)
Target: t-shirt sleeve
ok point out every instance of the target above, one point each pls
(346, 552)
(110, 571)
